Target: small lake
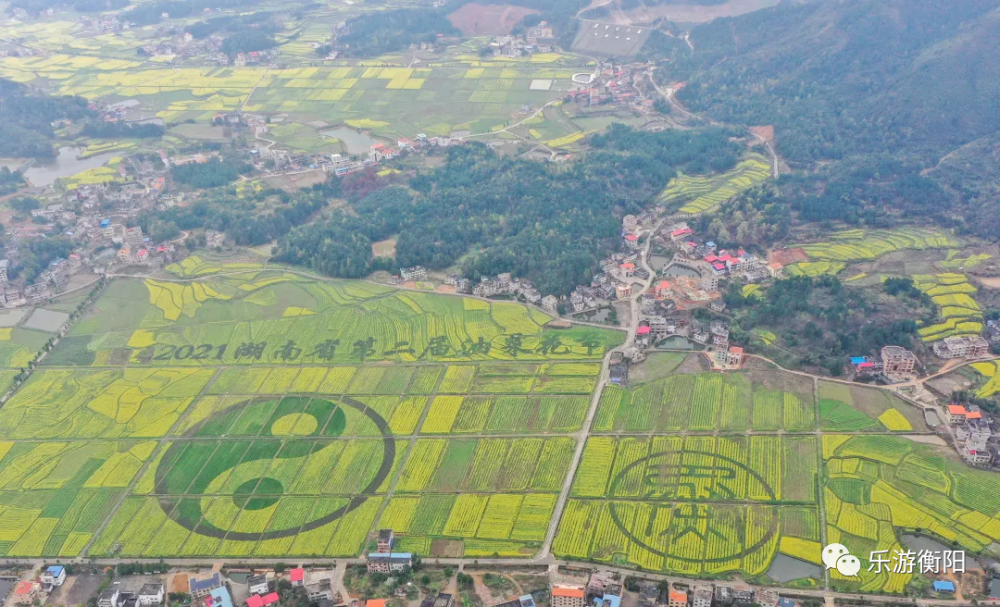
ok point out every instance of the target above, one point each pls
(785, 569)
(353, 140)
(676, 269)
(675, 342)
(66, 164)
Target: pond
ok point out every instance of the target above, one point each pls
(66, 164)
(676, 269)
(658, 261)
(353, 140)
(785, 569)
(599, 315)
(675, 342)
(931, 417)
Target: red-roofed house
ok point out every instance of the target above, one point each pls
(628, 269)
(263, 600)
(631, 241)
(662, 289)
(678, 234)
(24, 593)
(734, 357)
(711, 258)
(776, 270)
(642, 330)
(973, 415)
(956, 414)
(297, 576)
(375, 603)
(567, 596)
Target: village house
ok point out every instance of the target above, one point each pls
(734, 356)
(150, 594)
(385, 539)
(54, 575)
(897, 360)
(702, 596)
(776, 270)
(24, 593)
(262, 600)
(676, 598)
(109, 598)
(568, 596)
(623, 290)
(628, 269)
(257, 584)
(389, 562)
(550, 303)
(962, 346)
(199, 589)
(632, 241)
(414, 273)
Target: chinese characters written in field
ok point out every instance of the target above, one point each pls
(925, 561)
(512, 345)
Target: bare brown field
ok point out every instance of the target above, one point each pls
(493, 20)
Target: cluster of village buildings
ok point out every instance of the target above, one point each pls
(36, 590)
(535, 40)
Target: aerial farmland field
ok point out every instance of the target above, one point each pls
(227, 410)
(266, 413)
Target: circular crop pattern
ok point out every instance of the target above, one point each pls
(254, 492)
(706, 494)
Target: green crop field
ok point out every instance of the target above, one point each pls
(263, 413)
(855, 408)
(705, 401)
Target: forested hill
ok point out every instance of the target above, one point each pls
(920, 77)
(546, 222)
(26, 117)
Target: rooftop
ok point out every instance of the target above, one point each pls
(297, 574)
(568, 591)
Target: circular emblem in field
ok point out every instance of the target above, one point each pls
(317, 417)
(701, 498)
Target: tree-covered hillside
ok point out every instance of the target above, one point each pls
(857, 76)
(547, 222)
(26, 117)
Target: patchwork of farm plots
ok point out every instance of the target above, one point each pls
(699, 194)
(844, 408)
(877, 486)
(395, 101)
(465, 409)
(853, 246)
(456, 426)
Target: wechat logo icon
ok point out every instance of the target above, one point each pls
(836, 556)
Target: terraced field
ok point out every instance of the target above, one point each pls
(698, 194)
(953, 295)
(851, 246)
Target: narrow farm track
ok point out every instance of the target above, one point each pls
(596, 399)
